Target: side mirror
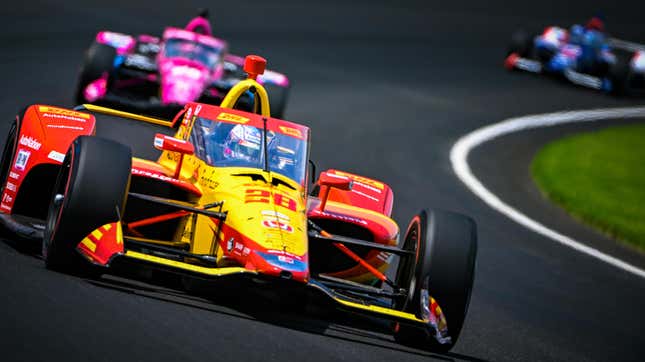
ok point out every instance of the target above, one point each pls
(326, 181)
(172, 144)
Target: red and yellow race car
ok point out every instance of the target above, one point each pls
(229, 196)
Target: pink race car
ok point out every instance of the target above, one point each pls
(159, 76)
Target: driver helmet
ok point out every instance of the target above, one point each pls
(243, 143)
(595, 23)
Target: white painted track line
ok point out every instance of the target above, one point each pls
(459, 159)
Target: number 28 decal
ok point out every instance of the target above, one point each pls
(264, 196)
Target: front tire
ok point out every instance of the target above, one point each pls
(443, 268)
(521, 44)
(98, 60)
(90, 191)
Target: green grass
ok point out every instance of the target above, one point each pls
(599, 177)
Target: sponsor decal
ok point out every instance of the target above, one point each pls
(55, 112)
(229, 117)
(116, 40)
(30, 142)
(246, 251)
(197, 109)
(189, 113)
(229, 244)
(342, 217)
(363, 180)
(11, 186)
(276, 224)
(14, 175)
(158, 142)
(185, 71)
(155, 175)
(5, 207)
(272, 213)
(21, 160)
(276, 220)
(283, 252)
(56, 156)
(65, 126)
(284, 261)
(365, 195)
(140, 61)
(7, 198)
(264, 196)
(208, 182)
(291, 131)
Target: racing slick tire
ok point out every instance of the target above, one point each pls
(277, 99)
(620, 73)
(444, 268)
(89, 192)
(521, 44)
(99, 59)
(7, 154)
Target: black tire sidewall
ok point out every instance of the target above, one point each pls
(445, 253)
(94, 195)
(98, 59)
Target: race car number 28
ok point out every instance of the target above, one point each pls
(264, 196)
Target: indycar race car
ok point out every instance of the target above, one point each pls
(583, 55)
(156, 76)
(228, 198)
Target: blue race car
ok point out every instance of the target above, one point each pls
(584, 55)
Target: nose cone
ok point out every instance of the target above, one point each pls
(281, 264)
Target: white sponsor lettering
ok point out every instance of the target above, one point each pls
(14, 175)
(64, 126)
(344, 217)
(63, 116)
(56, 156)
(372, 188)
(7, 198)
(276, 214)
(157, 176)
(365, 195)
(5, 207)
(185, 71)
(158, 142)
(21, 160)
(11, 186)
(30, 142)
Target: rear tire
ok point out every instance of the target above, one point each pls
(277, 99)
(90, 191)
(446, 249)
(8, 155)
(521, 44)
(99, 59)
(620, 73)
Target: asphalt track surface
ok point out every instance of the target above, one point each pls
(387, 88)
